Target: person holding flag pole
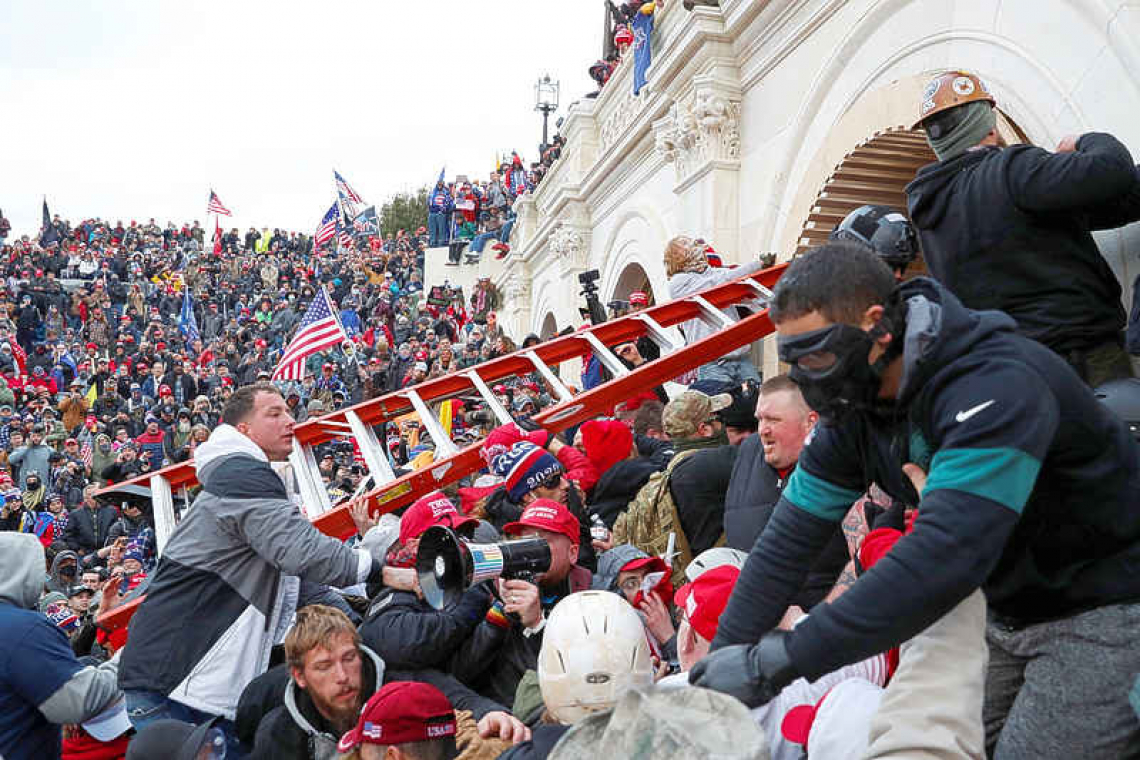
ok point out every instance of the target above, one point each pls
(187, 323)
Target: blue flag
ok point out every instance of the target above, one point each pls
(441, 172)
(187, 323)
(642, 53)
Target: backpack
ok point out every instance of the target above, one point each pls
(652, 516)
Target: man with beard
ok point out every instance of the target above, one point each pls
(299, 711)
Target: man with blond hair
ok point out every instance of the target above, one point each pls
(689, 272)
(331, 675)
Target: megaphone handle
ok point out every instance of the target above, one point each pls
(524, 575)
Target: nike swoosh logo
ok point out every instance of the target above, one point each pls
(963, 416)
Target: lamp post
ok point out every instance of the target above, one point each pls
(546, 101)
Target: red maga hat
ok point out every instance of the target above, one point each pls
(402, 712)
(432, 509)
(546, 514)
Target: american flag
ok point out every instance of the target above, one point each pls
(214, 206)
(345, 191)
(319, 329)
(327, 228)
(87, 454)
(343, 237)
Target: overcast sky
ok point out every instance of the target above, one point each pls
(134, 108)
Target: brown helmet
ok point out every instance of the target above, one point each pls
(950, 90)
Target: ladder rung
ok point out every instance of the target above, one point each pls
(375, 458)
(656, 333)
(762, 291)
(162, 500)
(314, 496)
(713, 312)
(605, 355)
(500, 412)
(444, 447)
(335, 424)
(547, 375)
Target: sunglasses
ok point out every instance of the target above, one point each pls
(553, 481)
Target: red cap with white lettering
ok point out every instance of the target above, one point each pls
(402, 712)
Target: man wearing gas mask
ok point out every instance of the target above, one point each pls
(1026, 488)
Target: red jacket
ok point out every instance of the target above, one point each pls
(579, 469)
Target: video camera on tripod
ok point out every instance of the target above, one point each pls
(589, 282)
(448, 565)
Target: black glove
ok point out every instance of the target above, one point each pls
(752, 674)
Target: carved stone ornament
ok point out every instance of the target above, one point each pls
(568, 242)
(695, 133)
(620, 118)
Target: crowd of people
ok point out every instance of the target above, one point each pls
(921, 541)
(467, 216)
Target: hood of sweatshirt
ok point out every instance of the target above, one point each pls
(939, 329)
(21, 569)
(610, 564)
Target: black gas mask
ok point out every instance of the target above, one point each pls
(831, 369)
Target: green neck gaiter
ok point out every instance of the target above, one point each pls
(980, 120)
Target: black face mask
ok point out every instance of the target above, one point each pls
(831, 369)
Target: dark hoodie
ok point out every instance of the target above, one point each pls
(59, 582)
(1009, 229)
(1030, 495)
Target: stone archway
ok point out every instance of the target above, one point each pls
(877, 172)
(549, 327)
(633, 277)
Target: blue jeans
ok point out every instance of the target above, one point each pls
(505, 232)
(145, 707)
(734, 371)
(481, 240)
(437, 229)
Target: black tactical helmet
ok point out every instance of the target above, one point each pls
(1123, 397)
(884, 230)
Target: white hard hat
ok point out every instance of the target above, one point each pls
(593, 650)
(714, 557)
